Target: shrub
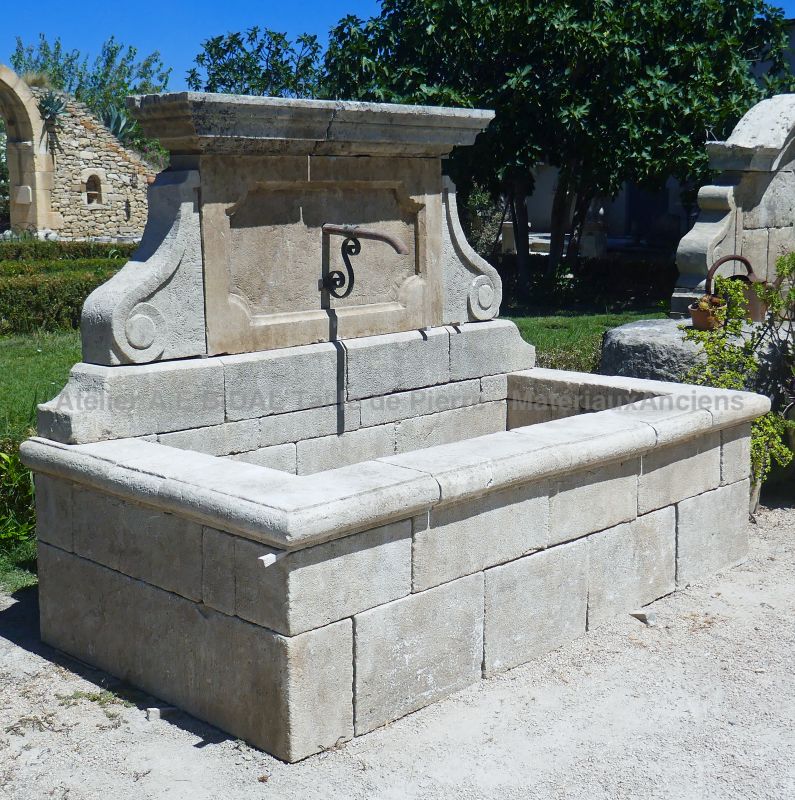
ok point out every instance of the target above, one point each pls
(32, 249)
(47, 300)
(732, 361)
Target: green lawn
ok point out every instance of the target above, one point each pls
(33, 370)
(571, 340)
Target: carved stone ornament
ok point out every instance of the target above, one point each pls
(289, 222)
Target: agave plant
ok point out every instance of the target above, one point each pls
(118, 123)
(51, 106)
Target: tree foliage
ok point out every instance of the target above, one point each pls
(102, 84)
(259, 62)
(608, 91)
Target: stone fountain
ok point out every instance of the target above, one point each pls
(305, 482)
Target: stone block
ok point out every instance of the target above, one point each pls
(281, 456)
(330, 452)
(134, 400)
(535, 605)
(478, 349)
(712, 532)
(419, 402)
(309, 424)
(670, 474)
(412, 652)
(217, 440)
(141, 542)
(493, 387)
(469, 422)
(631, 565)
(54, 511)
(591, 501)
(294, 592)
(460, 539)
(735, 454)
(522, 413)
(218, 570)
(279, 381)
(397, 362)
(290, 696)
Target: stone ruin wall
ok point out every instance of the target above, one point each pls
(81, 147)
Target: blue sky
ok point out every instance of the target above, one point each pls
(174, 27)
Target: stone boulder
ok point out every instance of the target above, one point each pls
(650, 348)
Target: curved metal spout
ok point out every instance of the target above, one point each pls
(357, 232)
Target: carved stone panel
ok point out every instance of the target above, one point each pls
(273, 248)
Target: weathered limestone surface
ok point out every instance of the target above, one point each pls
(266, 687)
(283, 457)
(671, 474)
(631, 565)
(522, 413)
(328, 452)
(414, 651)
(396, 362)
(468, 537)
(420, 402)
(534, 605)
(218, 440)
(313, 422)
(158, 548)
(489, 348)
(449, 426)
(735, 459)
(591, 501)
(711, 532)
(54, 508)
(296, 592)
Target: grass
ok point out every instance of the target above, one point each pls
(33, 369)
(572, 340)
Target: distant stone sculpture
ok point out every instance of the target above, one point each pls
(750, 208)
(69, 176)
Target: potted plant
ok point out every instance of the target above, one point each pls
(708, 313)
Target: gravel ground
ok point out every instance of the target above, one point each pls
(701, 705)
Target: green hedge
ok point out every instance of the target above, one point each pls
(47, 301)
(36, 250)
(10, 269)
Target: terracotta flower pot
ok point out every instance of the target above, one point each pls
(705, 319)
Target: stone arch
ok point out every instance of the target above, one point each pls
(30, 164)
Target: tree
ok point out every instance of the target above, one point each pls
(258, 62)
(104, 84)
(606, 91)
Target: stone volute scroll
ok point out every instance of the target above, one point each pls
(243, 250)
(749, 210)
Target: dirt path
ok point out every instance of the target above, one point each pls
(702, 706)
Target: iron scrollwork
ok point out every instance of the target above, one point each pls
(336, 282)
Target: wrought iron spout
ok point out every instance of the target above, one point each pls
(337, 283)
